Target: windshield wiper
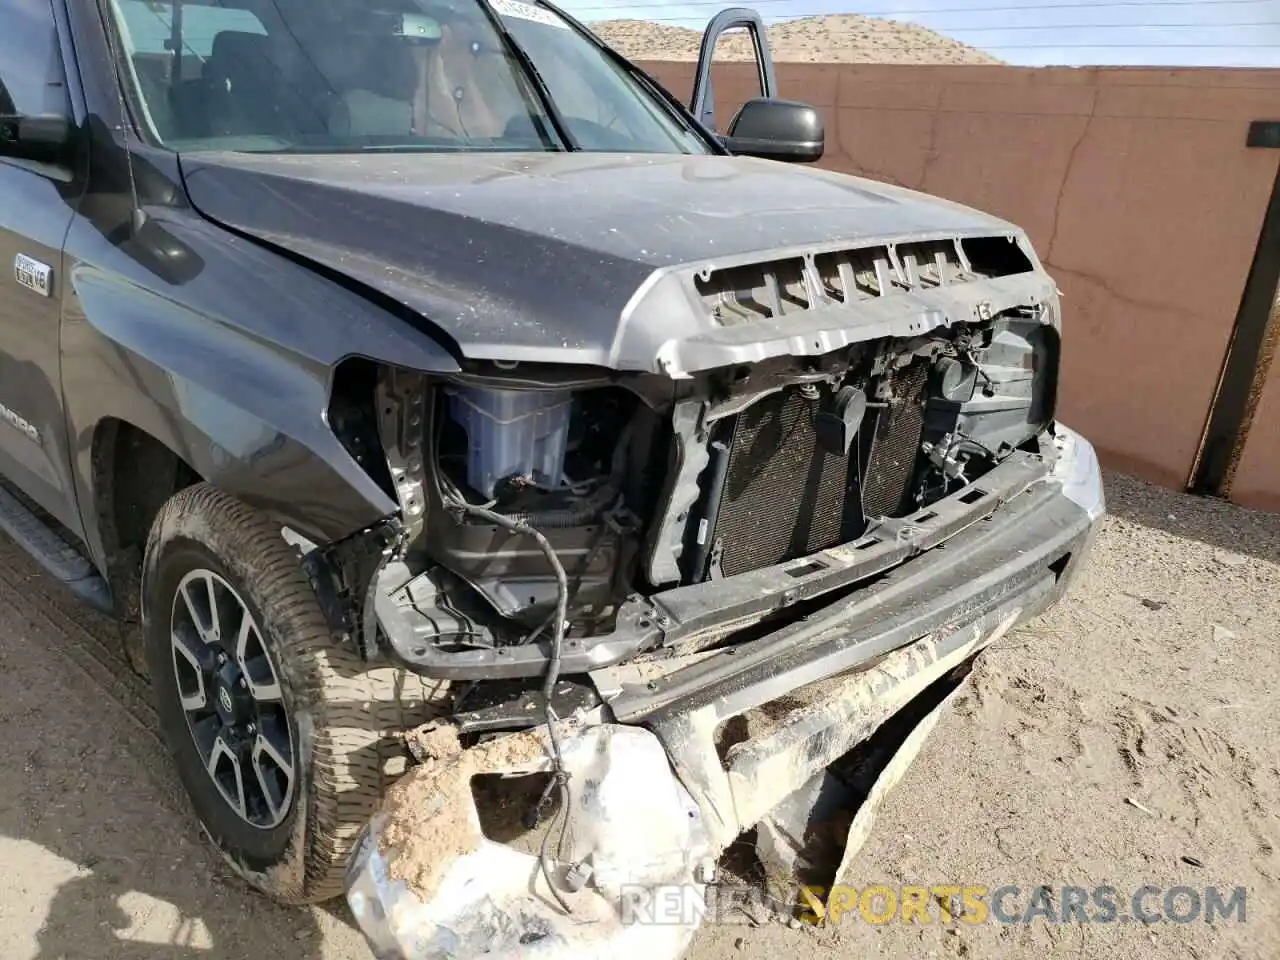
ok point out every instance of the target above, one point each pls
(532, 75)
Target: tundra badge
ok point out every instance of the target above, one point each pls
(19, 423)
(33, 274)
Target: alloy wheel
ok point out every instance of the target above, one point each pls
(230, 693)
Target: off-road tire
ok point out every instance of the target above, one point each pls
(346, 714)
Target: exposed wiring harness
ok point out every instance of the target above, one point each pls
(604, 500)
(559, 776)
(946, 453)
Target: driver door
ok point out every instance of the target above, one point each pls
(37, 204)
(702, 103)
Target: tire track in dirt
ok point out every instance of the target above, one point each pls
(88, 644)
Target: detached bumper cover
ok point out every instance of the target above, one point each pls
(633, 834)
(825, 684)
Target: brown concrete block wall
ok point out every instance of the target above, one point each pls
(1135, 186)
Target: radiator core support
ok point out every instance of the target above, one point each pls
(787, 494)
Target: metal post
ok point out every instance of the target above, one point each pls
(1231, 404)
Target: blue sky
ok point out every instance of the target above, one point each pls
(1074, 32)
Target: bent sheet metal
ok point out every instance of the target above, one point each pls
(429, 882)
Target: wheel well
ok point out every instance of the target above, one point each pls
(134, 474)
(353, 417)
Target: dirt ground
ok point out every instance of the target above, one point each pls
(1129, 738)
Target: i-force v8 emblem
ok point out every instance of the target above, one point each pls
(33, 274)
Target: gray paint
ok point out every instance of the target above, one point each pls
(538, 257)
(207, 330)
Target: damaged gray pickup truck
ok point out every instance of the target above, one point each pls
(517, 493)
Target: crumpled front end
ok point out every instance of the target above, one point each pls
(799, 734)
(731, 572)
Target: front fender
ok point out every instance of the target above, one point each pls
(230, 365)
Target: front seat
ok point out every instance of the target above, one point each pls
(377, 99)
(470, 87)
(250, 94)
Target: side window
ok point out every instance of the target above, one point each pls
(176, 95)
(32, 80)
(150, 24)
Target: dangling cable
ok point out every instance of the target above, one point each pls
(559, 776)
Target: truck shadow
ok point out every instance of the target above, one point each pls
(87, 918)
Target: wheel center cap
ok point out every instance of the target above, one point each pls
(232, 699)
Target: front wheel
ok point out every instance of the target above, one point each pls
(283, 738)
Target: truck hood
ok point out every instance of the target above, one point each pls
(539, 257)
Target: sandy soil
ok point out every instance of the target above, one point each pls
(835, 38)
(1155, 682)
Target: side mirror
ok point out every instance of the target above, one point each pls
(777, 130)
(44, 139)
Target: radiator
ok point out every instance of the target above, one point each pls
(895, 444)
(784, 496)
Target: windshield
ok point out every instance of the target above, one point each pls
(307, 76)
